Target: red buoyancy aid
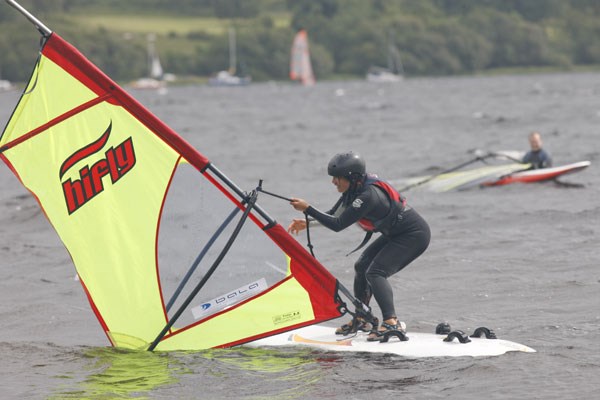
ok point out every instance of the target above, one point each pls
(397, 204)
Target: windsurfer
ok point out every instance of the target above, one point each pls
(377, 207)
(537, 156)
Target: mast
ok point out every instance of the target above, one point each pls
(232, 51)
(43, 29)
(394, 61)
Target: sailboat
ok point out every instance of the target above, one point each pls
(228, 77)
(300, 65)
(5, 85)
(394, 71)
(154, 80)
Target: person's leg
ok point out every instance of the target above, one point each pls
(362, 290)
(393, 257)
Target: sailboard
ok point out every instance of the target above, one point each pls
(481, 342)
(539, 175)
(490, 175)
(171, 254)
(300, 64)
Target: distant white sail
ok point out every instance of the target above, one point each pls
(229, 77)
(154, 79)
(394, 71)
(155, 68)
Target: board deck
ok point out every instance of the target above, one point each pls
(538, 175)
(419, 344)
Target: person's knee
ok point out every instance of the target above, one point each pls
(376, 271)
(361, 265)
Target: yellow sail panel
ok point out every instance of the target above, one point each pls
(101, 176)
(286, 305)
(40, 96)
(110, 232)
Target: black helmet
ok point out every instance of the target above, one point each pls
(346, 164)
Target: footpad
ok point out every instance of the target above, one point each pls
(489, 334)
(443, 328)
(460, 335)
(399, 334)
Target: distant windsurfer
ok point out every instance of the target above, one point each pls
(376, 207)
(537, 156)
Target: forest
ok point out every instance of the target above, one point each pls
(434, 37)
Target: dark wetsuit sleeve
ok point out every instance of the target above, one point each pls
(547, 162)
(335, 206)
(330, 212)
(359, 208)
(538, 159)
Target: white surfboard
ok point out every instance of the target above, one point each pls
(418, 344)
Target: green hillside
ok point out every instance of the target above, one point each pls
(434, 37)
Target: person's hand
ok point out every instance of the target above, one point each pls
(296, 226)
(299, 204)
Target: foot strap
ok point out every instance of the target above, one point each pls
(383, 336)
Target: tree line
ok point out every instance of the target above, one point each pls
(434, 37)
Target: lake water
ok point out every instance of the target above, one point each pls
(522, 260)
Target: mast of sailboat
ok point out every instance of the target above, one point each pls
(232, 51)
(394, 61)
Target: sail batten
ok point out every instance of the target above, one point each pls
(134, 203)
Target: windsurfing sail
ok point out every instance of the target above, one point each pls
(461, 180)
(228, 77)
(154, 65)
(141, 211)
(394, 60)
(394, 71)
(154, 79)
(300, 65)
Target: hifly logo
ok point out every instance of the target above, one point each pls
(117, 161)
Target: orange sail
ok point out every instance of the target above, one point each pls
(300, 65)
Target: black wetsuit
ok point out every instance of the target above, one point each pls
(402, 241)
(538, 159)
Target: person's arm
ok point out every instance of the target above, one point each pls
(335, 206)
(298, 224)
(359, 208)
(547, 161)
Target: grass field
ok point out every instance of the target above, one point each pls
(164, 25)
(173, 33)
